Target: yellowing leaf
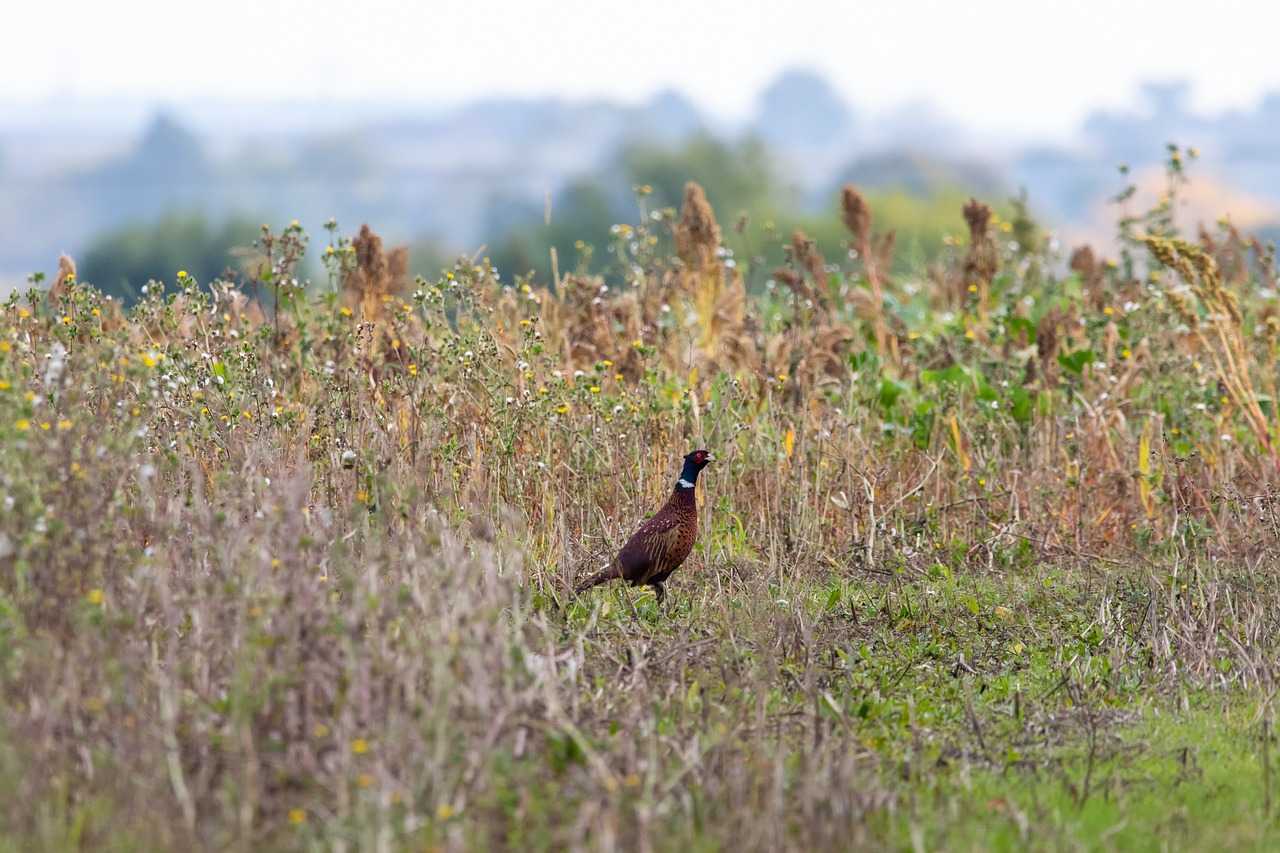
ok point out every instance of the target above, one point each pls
(789, 442)
(1144, 450)
(959, 445)
(1144, 471)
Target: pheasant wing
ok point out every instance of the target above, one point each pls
(649, 549)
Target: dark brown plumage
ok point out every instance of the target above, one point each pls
(664, 541)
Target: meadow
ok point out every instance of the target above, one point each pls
(988, 554)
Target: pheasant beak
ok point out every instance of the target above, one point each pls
(711, 457)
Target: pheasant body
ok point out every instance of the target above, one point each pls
(663, 542)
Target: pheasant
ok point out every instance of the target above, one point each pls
(664, 541)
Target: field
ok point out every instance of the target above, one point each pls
(988, 554)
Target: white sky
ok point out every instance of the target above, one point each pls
(1030, 66)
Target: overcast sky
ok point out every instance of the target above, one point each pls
(1030, 66)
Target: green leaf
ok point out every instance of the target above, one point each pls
(956, 374)
(833, 598)
(1020, 404)
(1076, 361)
(865, 360)
(1017, 324)
(890, 391)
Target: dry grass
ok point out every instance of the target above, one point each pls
(302, 579)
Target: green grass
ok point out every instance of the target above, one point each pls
(1173, 779)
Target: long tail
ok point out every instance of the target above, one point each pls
(612, 571)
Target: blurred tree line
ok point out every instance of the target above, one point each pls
(121, 261)
(757, 208)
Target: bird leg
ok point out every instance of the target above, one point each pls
(659, 592)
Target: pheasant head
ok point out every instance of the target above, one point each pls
(693, 464)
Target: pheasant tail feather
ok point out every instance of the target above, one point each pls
(610, 572)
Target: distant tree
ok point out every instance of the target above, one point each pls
(738, 178)
(921, 175)
(800, 109)
(581, 216)
(167, 169)
(119, 262)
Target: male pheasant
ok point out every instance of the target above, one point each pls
(664, 541)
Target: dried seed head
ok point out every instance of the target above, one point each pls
(66, 275)
(806, 255)
(982, 259)
(697, 235)
(856, 214)
(1084, 261)
(978, 217)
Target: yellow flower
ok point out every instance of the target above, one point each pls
(182, 275)
(1126, 353)
(4, 385)
(96, 312)
(66, 321)
(413, 370)
(22, 425)
(5, 346)
(46, 426)
(607, 363)
(359, 746)
(64, 424)
(444, 811)
(149, 359)
(968, 333)
(344, 311)
(1108, 310)
(297, 817)
(95, 597)
(563, 408)
(618, 377)
(594, 389)
(973, 288)
(23, 313)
